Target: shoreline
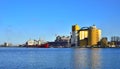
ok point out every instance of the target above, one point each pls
(55, 47)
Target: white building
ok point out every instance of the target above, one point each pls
(34, 42)
(30, 42)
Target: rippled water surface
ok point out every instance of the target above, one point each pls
(59, 58)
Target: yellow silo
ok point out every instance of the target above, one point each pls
(75, 28)
(83, 34)
(99, 34)
(94, 36)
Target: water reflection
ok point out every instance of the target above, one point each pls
(60, 58)
(87, 58)
(95, 58)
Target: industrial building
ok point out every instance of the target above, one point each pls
(116, 40)
(85, 36)
(61, 41)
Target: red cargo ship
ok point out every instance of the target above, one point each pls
(46, 45)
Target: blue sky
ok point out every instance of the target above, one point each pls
(24, 19)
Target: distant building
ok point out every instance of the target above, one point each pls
(104, 42)
(116, 40)
(111, 44)
(7, 44)
(86, 36)
(61, 41)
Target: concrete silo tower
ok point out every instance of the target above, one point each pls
(74, 35)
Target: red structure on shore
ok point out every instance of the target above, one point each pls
(46, 45)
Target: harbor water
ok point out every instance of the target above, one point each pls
(59, 58)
